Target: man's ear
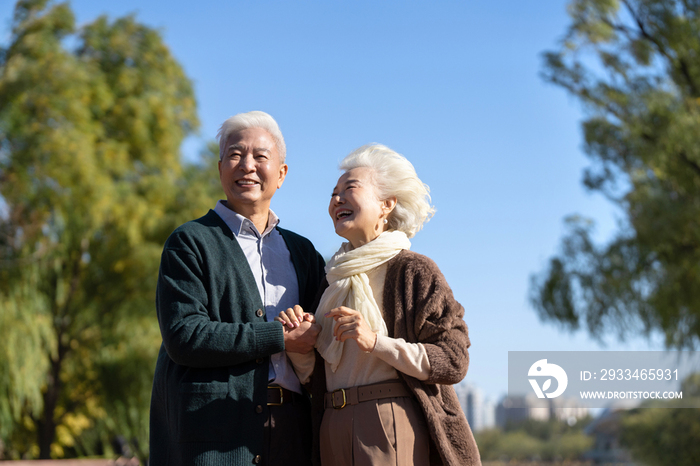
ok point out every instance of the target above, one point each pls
(283, 174)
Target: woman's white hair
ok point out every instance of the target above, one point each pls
(394, 176)
(254, 119)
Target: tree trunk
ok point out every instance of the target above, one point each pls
(46, 425)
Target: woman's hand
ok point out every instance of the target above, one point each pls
(292, 318)
(349, 324)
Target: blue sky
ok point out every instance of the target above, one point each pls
(452, 85)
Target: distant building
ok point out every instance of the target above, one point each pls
(605, 430)
(566, 409)
(480, 411)
(489, 414)
(516, 409)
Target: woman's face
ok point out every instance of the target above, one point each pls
(357, 212)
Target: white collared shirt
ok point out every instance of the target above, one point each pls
(274, 273)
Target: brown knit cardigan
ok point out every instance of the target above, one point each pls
(420, 308)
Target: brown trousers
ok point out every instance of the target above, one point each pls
(390, 431)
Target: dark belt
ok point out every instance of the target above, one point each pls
(343, 397)
(277, 396)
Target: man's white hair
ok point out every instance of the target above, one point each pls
(254, 119)
(394, 176)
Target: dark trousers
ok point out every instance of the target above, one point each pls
(288, 434)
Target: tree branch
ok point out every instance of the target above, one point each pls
(693, 165)
(681, 63)
(690, 163)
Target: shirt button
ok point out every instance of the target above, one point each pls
(258, 409)
(259, 313)
(257, 459)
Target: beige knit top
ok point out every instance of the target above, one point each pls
(359, 368)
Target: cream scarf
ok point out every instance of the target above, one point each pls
(348, 286)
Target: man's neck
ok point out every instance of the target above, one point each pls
(259, 220)
(259, 216)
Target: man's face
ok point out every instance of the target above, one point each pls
(250, 170)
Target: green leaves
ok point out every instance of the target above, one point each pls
(91, 171)
(552, 440)
(661, 433)
(590, 20)
(24, 352)
(633, 64)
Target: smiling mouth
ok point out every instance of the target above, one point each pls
(246, 183)
(343, 213)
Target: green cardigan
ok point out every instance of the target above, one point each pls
(209, 400)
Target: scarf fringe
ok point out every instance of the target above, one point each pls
(349, 286)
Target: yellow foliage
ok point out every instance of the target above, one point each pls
(57, 451)
(64, 437)
(77, 423)
(92, 170)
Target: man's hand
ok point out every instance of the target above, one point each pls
(301, 339)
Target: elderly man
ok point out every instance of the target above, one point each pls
(224, 391)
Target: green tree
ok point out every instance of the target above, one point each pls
(519, 446)
(659, 433)
(93, 181)
(663, 436)
(551, 440)
(635, 65)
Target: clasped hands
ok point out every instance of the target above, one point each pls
(349, 324)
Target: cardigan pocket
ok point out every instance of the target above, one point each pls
(204, 412)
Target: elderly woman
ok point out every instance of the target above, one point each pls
(393, 340)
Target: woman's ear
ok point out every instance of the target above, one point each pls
(388, 205)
